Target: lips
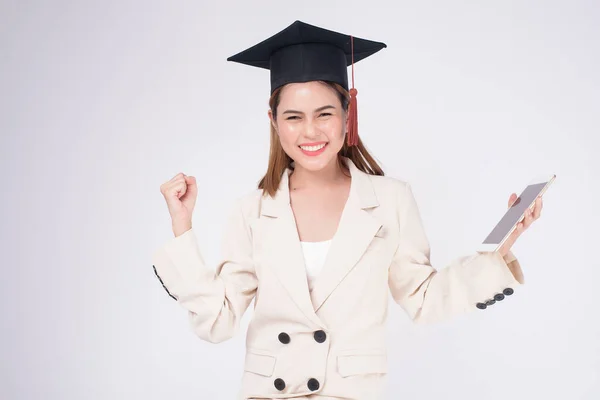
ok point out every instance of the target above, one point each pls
(312, 146)
(313, 149)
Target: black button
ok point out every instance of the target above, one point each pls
(279, 384)
(490, 302)
(499, 297)
(320, 336)
(313, 384)
(481, 306)
(508, 291)
(284, 338)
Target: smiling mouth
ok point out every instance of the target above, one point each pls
(313, 148)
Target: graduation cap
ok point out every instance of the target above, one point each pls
(303, 52)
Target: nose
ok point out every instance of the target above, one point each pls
(312, 131)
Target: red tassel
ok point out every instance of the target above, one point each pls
(352, 126)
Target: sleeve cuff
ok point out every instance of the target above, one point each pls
(497, 278)
(178, 264)
(512, 263)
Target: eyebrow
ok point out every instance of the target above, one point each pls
(317, 110)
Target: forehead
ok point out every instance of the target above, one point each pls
(308, 94)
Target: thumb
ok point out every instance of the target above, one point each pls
(191, 182)
(512, 199)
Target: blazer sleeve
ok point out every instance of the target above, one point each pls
(473, 282)
(216, 298)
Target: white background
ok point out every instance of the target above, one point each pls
(102, 101)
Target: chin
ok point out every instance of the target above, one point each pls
(315, 163)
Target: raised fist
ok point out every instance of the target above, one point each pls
(180, 193)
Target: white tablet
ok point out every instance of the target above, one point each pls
(515, 213)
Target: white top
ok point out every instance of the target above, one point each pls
(314, 258)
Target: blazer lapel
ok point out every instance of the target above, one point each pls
(281, 241)
(356, 229)
(279, 234)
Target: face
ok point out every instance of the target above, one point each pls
(310, 124)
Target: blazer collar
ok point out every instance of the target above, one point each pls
(361, 191)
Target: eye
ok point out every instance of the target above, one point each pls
(324, 114)
(292, 117)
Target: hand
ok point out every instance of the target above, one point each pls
(180, 193)
(530, 216)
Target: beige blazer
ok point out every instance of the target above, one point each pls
(330, 342)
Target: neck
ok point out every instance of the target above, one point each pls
(331, 175)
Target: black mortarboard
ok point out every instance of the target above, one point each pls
(303, 52)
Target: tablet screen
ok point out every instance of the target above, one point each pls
(514, 213)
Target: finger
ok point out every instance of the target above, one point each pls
(181, 190)
(166, 186)
(519, 229)
(176, 183)
(538, 208)
(177, 188)
(528, 218)
(512, 199)
(177, 177)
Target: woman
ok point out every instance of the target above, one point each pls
(321, 241)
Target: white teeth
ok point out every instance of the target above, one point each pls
(313, 148)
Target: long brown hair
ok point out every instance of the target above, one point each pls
(279, 160)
